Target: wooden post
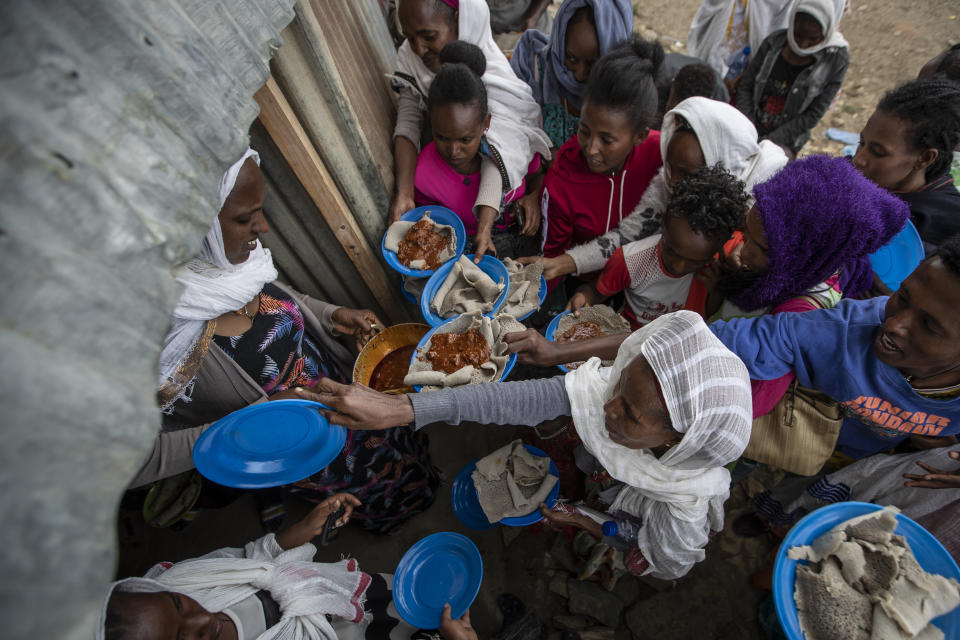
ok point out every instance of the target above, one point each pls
(282, 124)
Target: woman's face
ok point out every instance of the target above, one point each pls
(606, 136)
(684, 157)
(457, 133)
(241, 218)
(807, 32)
(754, 253)
(887, 157)
(427, 30)
(581, 49)
(636, 417)
(920, 333)
(171, 616)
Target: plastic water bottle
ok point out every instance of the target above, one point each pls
(621, 532)
(738, 62)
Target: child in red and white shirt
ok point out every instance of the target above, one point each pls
(656, 273)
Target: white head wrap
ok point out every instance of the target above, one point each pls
(726, 136)
(828, 14)
(211, 287)
(305, 591)
(680, 496)
(709, 29)
(515, 116)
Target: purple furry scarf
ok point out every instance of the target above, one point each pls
(820, 217)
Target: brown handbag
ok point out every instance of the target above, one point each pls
(799, 434)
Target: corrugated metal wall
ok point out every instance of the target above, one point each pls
(325, 132)
(118, 119)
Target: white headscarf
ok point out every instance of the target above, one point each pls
(726, 136)
(680, 496)
(515, 116)
(828, 14)
(305, 591)
(211, 287)
(708, 30)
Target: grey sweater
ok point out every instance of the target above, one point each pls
(528, 402)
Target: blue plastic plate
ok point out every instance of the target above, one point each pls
(440, 215)
(929, 552)
(552, 329)
(894, 261)
(442, 568)
(488, 264)
(429, 334)
(268, 444)
(466, 504)
(543, 296)
(463, 496)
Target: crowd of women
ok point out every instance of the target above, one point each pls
(665, 184)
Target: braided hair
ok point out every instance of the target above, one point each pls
(711, 200)
(623, 79)
(931, 107)
(458, 81)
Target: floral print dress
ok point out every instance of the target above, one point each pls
(388, 471)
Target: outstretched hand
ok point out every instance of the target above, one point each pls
(459, 629)
(934, 478)
(532, 348)
(553, 267)
(356, 406)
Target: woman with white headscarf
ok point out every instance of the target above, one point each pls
(698, 132)
(795, 74)
(239, 337)
(514, 131)
(662, 422)
(722, 28)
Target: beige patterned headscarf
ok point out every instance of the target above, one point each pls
(679, 496)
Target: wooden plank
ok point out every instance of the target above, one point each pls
(281, 123)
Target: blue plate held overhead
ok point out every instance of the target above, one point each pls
(897, 259)
(442, 568)
(268, 444)
(928, 551)
(488, 264)
(440, 215)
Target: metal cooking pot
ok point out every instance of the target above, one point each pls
(384, 343)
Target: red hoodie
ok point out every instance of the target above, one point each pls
(579, 205)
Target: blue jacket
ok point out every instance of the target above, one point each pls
(832, 350)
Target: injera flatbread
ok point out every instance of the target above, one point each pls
(609, 320)
(512, 482)
(864, 582)
(493, 329)
(524, 294)
(398, 230)
(467, 288)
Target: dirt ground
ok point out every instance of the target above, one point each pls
(889, 41)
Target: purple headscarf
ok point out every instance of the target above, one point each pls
(614, 21)
(820, 216)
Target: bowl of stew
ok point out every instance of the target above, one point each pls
(383, 362)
